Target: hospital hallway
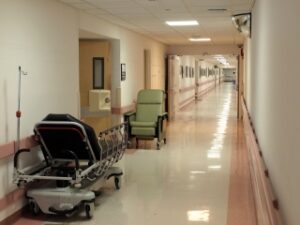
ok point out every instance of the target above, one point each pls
(201, 176)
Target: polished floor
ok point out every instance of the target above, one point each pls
(187, 181)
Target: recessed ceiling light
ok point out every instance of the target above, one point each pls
(200, 39)
(215, 167)
(197, 172)
(183, 23)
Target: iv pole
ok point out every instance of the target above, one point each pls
(18, 113)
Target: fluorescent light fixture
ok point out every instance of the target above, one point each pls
(183, 23)
(198, 215)
(215, 167)
(200, 39)
(197, 172)
(213, 155)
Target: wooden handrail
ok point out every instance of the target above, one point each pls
(267, 206)
(185, 89)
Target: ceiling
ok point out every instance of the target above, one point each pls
(230, 58)
(148, 17)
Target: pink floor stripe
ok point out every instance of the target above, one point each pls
(25, 221)
(241, 206)
(11, 198)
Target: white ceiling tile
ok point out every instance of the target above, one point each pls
(148, 17)
(96, 12)
(176, 16)
(125, 10)
(82, 6)
(211, 3)
(71, 1)
(110, 3)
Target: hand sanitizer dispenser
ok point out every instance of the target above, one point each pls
(99, 100)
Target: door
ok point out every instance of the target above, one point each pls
(173, 85)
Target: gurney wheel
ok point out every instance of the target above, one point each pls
(118, 183)
(34, 208)
(89, 210)
(158, 146)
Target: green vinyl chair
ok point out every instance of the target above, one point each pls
(148, 120)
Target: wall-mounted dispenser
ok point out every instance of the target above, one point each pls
(99, 100)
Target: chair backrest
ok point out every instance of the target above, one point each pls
(62, 132)
(150, 104)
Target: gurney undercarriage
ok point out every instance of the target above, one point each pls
(76, 165)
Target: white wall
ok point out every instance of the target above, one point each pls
(247, 71)
(273, 96)
(42, 37)
(29, 38)
(132, 46)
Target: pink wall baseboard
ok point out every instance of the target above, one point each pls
(186, 102)
(123, 109)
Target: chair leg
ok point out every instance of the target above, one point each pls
(165, 140)
(136, 143)
(158, 143)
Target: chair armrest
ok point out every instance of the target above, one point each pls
(129, 116)
(129, 113)
(163, 116)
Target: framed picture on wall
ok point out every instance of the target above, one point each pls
(186, 71)
(203, 71)
(181, 71)
(123, 71)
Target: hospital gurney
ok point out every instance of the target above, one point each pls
(76, 164)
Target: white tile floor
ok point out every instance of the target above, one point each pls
(187, 181)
